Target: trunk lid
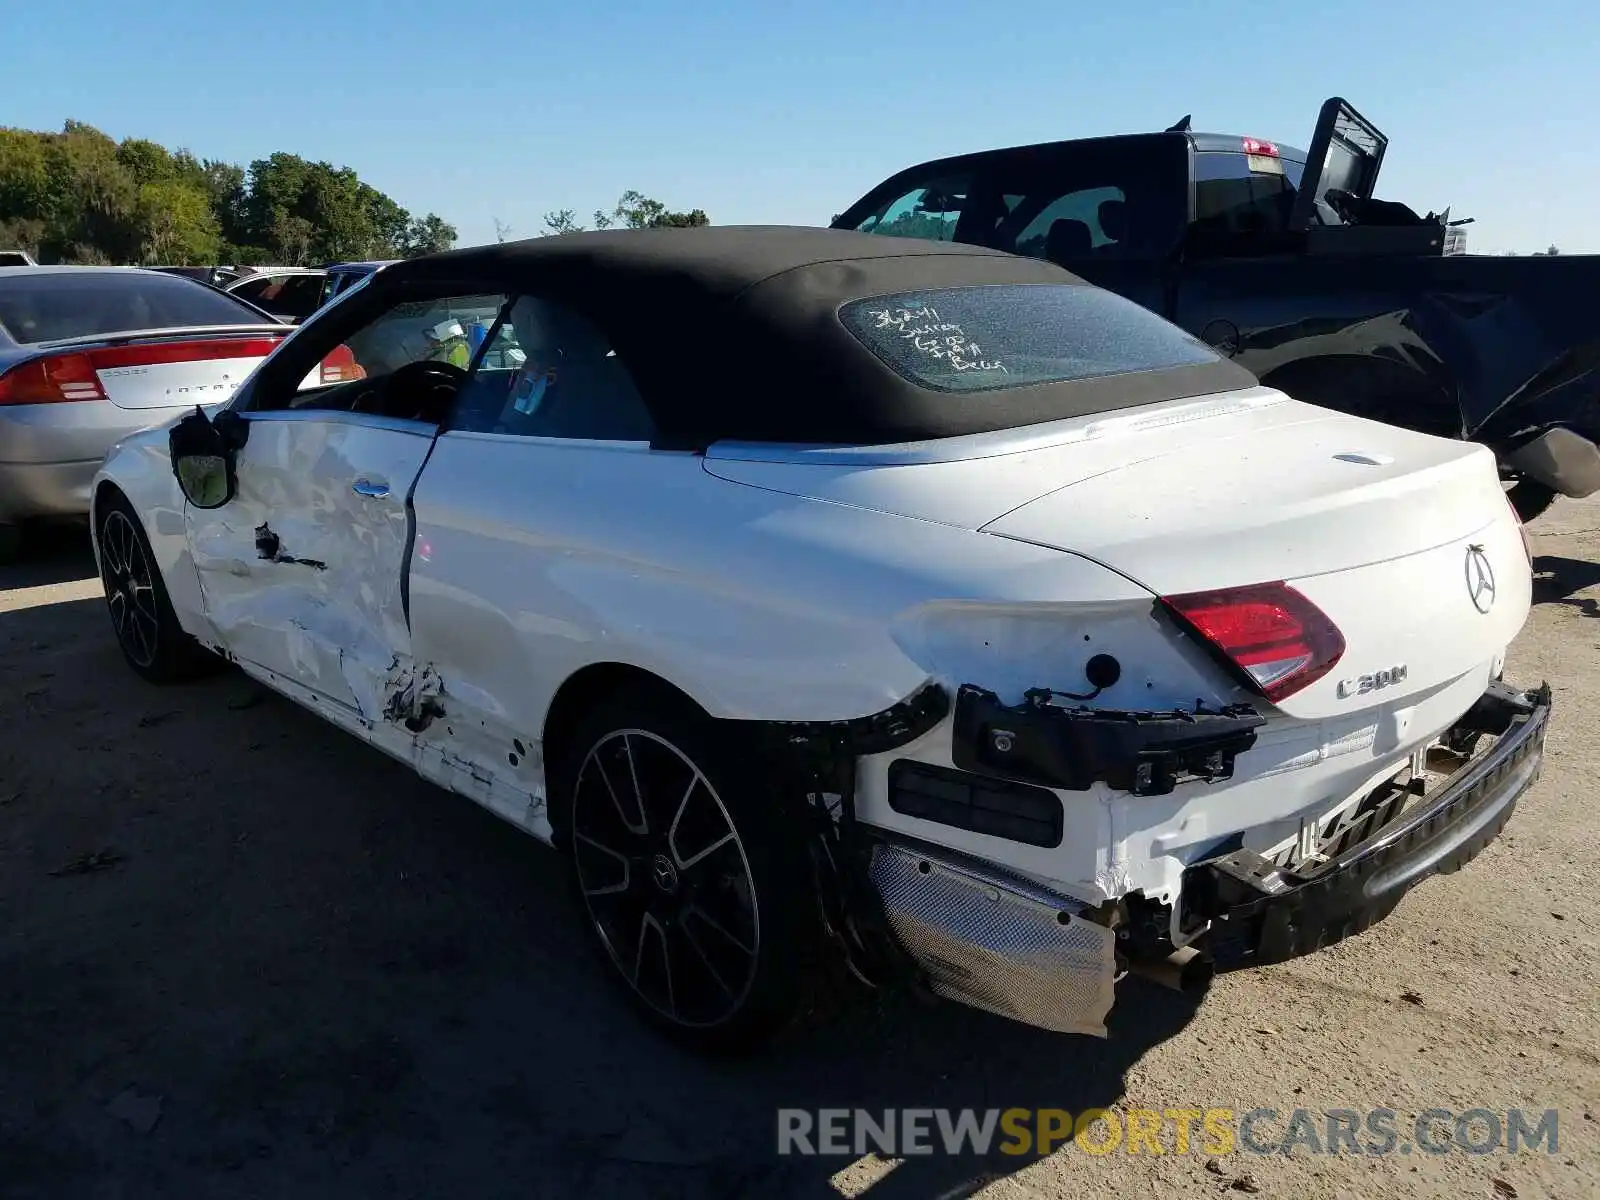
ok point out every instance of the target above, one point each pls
(1377, 526)
(1405, 541)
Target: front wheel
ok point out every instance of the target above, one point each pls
(147, 629)
(691, 880)
(10, 543)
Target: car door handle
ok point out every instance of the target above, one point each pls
(366, 487)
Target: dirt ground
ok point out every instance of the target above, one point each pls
(243, 956)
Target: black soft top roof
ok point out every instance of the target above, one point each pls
(732, 332)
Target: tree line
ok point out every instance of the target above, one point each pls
(633, 211)
(80, 196)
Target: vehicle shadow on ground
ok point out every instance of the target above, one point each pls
(1557, 580)
(245, 956)
(50, 554)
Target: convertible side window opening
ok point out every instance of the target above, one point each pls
(549, 372)
(448, 330)
(407, 363)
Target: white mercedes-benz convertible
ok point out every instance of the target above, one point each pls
(817, 593)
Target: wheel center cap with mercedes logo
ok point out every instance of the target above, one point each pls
(664, 874)
(1480, 579)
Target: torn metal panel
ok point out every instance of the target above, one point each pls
(413, 698)
(270, 547)
(483, 784)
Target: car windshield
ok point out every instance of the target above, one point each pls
(50, 306)
(978, 339)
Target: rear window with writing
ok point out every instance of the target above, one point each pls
(976, 339)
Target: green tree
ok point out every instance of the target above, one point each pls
(634, 210)
(274, 190)
(292, 238)
(147, 162)
(559, 221)
(93, 197)
(339, 214)
(429, 235)
(24, 176)
(637, 211)
(225, 185)
(81, 196)
(176, 224)
(692, 219)
(391, 224)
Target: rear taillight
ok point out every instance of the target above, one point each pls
(341, 366)
(51, 380)
(1278, 639)
(74, 375)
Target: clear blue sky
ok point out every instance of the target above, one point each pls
(761, 112)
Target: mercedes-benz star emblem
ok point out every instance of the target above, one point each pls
(1480, 579)
(664, 873)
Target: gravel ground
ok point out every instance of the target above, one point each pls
(242, 955)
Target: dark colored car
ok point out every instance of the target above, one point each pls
(289, 293)
(1286, 262)
(215, 276)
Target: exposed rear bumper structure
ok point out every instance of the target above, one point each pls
(1263, 913)
(985, 937)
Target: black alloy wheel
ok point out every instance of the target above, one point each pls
(147, 629)
(130, 593)
(665, 879)
(690, 868)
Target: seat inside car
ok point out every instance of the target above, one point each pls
(1068, 239)
(1113, 218)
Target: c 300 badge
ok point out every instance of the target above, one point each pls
(1362, 684)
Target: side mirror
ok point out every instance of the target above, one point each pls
(202, 460)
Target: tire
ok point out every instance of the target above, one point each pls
(10, 544)
(1530, 499)
(699, 898)
(146, 628)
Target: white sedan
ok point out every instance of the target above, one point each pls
(817, 593)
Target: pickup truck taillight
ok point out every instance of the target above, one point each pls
(75, 374)
(1277, 638)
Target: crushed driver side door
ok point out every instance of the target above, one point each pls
(302, 573)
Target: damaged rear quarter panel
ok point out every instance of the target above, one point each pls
(536, 558)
